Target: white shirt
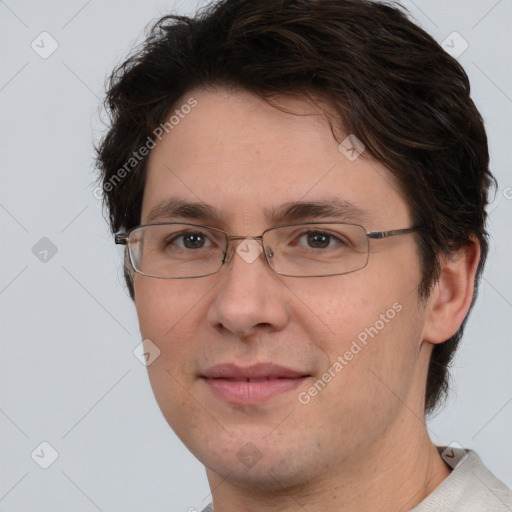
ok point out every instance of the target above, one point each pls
(471, 487)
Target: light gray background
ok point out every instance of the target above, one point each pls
(68, 329)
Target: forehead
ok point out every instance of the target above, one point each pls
(245, 158)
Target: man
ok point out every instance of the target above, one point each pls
(301, 186)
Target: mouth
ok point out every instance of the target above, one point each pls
(263, 379)
(254, 384)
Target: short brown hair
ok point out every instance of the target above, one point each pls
(389, 82)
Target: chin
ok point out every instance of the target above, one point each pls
(269, 466)
(265, 477)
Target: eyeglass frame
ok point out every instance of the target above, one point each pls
(123, 238)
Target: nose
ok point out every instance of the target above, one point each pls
(250, 296)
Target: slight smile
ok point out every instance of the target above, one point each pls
(253, 384)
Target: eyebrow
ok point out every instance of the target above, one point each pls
(335, 209)
(293, 211)
(179, 208)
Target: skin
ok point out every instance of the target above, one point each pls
(361, 443)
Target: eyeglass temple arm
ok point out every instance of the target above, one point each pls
(393, 232)
(121, 238)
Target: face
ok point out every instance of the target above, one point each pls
(344, 352)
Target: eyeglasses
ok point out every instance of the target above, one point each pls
(181, 251)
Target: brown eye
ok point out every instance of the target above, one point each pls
(193, 240)
(318, 240)
(190, 240)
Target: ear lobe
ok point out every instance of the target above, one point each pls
(452, 294)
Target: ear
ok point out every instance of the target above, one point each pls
(452, 295)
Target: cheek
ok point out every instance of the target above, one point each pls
(341, 309)
(169, 314)
(164, 306)
(365, 331)
(371, 364)
(383, 351)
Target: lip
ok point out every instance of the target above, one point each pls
(253, 384)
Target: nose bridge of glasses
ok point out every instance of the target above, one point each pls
(242, 237)
(246, 248)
